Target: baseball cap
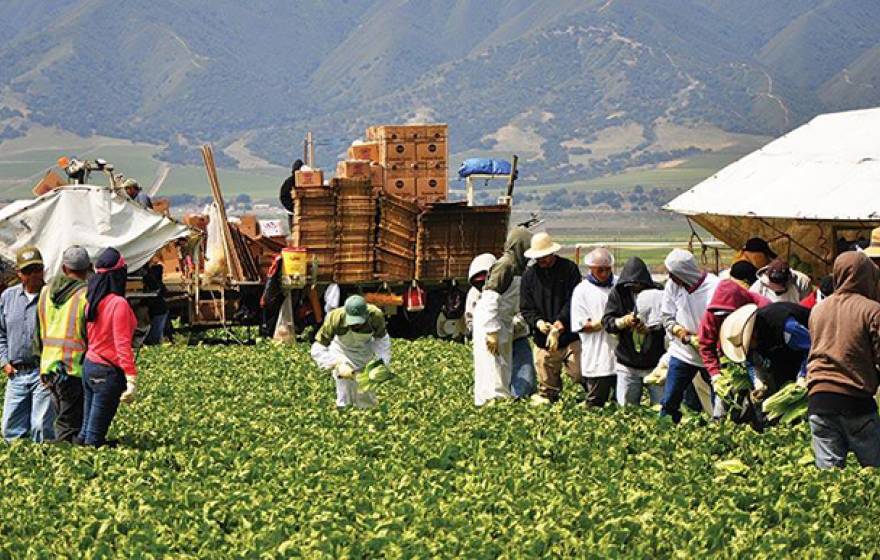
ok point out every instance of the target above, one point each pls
(355, 311)
(27, 256)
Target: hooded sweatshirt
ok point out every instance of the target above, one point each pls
(501, 277)
(845, 330)
(545, 294)
(622, 301)
(685, 305)
(729, 296)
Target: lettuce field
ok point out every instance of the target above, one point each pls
(239, 451)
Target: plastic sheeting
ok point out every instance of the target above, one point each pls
(484, 166)
(808, 193)
(91, 216)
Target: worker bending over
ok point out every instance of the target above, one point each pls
(351, 337)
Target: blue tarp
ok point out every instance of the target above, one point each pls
(484, 166)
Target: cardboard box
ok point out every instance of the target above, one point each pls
(312, 178)
(364, 151)
(435, 132)
(162, 206)
(249, 226)
(49, 182)
(431, 150)
(392, 150)
(377, 175)
(437, 166)
(402, 185)
(431, 187)
(353, 169)
(399, 132)
(405, 166)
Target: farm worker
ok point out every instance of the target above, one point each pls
(285, 195)
(545, 304)
(825, 289)
(778, 282)
(588, 302)
(728, 297)
(872, 251)
(744, 273)
(685, 298)
(842, 367)
(351, 337)
(632, 314)
(493, 320)
(109, 372)
(756, 251)
(27, 406)
(134, 192)
(773, 339)
(522, 379)
(62, 337)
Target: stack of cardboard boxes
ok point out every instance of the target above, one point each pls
(409, 161)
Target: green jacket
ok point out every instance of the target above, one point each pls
(334, 324)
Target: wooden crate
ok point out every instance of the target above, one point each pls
(398, 132)
(391, 267)
(364, 151)
(400, 184)
(377, 176)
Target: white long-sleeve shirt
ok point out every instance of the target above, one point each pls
(686, 309)
(597, 348)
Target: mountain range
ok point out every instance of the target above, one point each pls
(578, 87)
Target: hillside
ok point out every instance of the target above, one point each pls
(580, 88)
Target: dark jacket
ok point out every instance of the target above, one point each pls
(845, 332)
(285, 196)
(622, 301)
(545, 293)
(784, 362)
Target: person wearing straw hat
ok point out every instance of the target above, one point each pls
(685, 298)
(773, 339)
(872, 251)
(588, 303)
(545, 304)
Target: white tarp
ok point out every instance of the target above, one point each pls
(91, 216)
(828, 169)
(809, 193)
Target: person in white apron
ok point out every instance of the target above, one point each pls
(493, 320)
(351, 337)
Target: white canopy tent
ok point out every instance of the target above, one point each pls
(806, 192)
(91, 216)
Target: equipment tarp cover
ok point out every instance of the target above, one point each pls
(807, 192)
(91, 216)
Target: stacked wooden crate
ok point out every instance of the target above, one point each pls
(396, 238)
(450, 235)
(314, 227)
(355, 230)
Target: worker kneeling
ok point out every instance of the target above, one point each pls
(351, 337)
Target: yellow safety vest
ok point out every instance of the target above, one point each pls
(62, 332)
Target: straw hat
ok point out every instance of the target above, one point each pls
(873, 250)
(736, 332)
(542, 245)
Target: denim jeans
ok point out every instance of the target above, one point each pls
(834, 436)
(102, 387)
(157, 330)
(678, 379)
(630, 387)
(522, 380)
(27, 408)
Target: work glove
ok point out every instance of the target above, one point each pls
(492, 343)
(590, 327)
(344, 370)
(680, 333)
(760, 390)
(544, 326)
(130, 389)
(625, 322)
(553, 340)
(801, 381)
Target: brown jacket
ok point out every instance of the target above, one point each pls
(845, 331)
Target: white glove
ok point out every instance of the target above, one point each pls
(344, 370)
(130, 389)
(553, 340)
(543, 326)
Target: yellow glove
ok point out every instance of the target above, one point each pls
(492, 343)
(543, 326)
(553, 340)
(626, 322)
(344, 370)
(680, 333)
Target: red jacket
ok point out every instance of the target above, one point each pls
(110, 337)
(729, 296)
